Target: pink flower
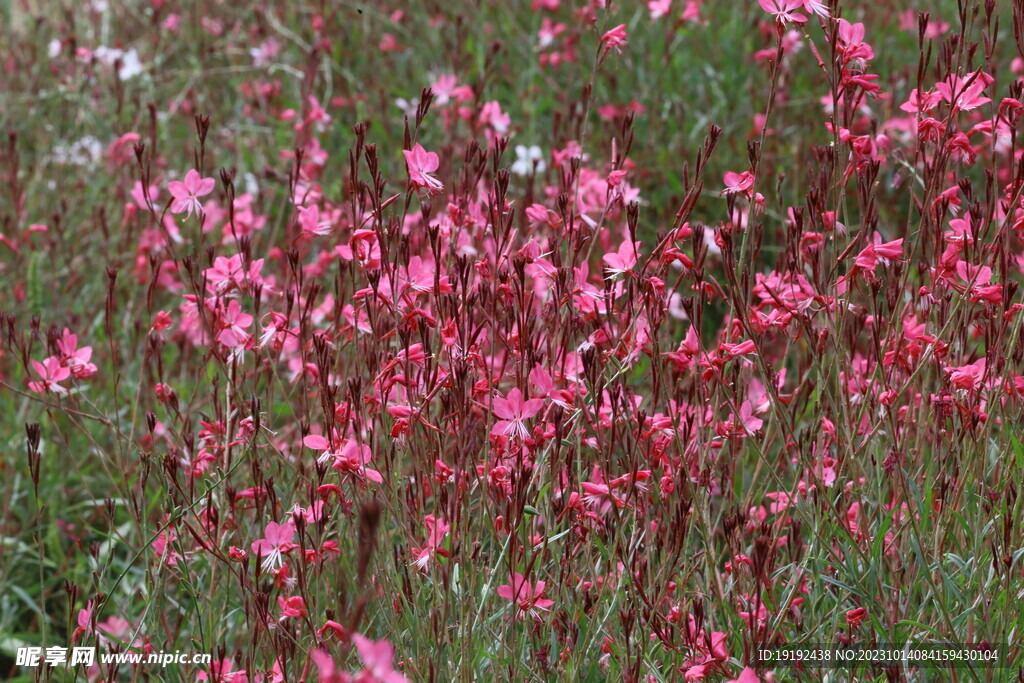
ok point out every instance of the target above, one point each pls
(919, 102)
(229, 273)
(730, 351)
(492, 115)
(545, 387)
(421, 164)
(328, 449)
(751, 422)
(326, 668)
(967, 377)
(349, 455)
(599, 495)
(870, 256)
(233, 325)
(856, 616)
(738, 182)
(784, 10)
(84, 621)
(816, 7)
(378, 660)
(748, 675)
(446, 88)
(161, 321)
(353, 458)
(614, 39)
(74, 358)
(276, 542)
(851, 42)
(293, 607)
(51, 372)
(692, 11)
(961, 232)
(331, 626)
(964, 92)
(549, 32)
(437, 529)
(186, 194)
(223, 672)
(529, 597)
(514, 412)
(309, 221)
(975, 276)
(659, 8)
(622, 261)
(163, 549)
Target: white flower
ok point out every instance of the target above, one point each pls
(131, 65)
(526, 158)
(408, 107)
(83, 152)
(107, 55)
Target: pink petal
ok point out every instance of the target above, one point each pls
(503, 408)
(532, 407)
(747, 676)
(177, 189)
(316, 442)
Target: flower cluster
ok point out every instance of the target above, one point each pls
(407, 368)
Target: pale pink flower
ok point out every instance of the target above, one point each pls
(784, 10)
(378, 661)
(233, 324)
(186, 194)
(492, 115)
(309, 221)
(659, 8)
(327, 670)
(421, 164)
(751, 422)
(816, 7)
